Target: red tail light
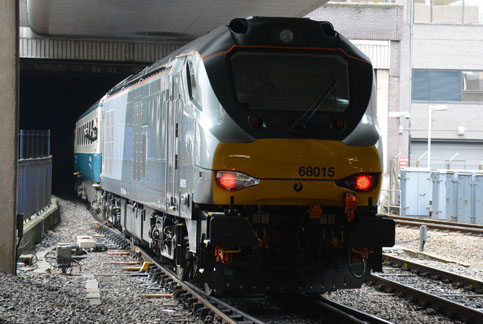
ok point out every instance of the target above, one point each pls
(227, 180)
(363, 182)
(359, 182)
(231, 181)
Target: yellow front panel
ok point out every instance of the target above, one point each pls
(282, 164)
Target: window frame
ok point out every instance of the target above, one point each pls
(431, 100)
(195, 99)
(431, 16)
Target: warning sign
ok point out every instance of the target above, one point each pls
(403, 162)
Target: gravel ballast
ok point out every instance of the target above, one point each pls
(458, 247)
(52, 297)
(465, 249)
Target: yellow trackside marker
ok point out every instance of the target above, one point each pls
(96, 185)
(145, 266)
(76, 173)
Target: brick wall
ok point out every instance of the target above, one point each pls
(363, 21)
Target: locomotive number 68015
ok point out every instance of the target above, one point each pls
(316, 171)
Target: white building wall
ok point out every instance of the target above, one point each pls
(444, 47)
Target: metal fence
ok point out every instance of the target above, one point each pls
(34, 144)
(34, 179)
(390, 202)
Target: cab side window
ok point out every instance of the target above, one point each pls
(193, 89)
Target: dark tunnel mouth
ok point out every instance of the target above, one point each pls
(53, 94)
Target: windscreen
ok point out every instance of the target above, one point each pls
(290, 81)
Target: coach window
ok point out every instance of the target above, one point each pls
(193, 88)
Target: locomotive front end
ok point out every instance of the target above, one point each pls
(303, 194)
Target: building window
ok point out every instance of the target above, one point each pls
(422, 11)
(436, 86)
(473, 12)
(472, 86)
(448, 12)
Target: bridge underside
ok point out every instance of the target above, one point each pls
(161, 19)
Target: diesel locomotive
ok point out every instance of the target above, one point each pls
(249, 159)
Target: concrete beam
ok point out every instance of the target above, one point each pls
(9, 27)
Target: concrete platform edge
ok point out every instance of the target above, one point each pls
(38, 225)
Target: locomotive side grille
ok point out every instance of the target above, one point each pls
(108, 142)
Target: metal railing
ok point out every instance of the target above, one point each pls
(34, 181)
(34, 144)
(390, 202)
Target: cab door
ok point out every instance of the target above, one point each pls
(175, 109)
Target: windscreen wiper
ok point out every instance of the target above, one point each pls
(315, 105)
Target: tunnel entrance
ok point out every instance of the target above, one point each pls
(53, 94)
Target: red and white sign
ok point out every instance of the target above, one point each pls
(403, 162)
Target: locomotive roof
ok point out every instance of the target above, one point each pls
(253, 31)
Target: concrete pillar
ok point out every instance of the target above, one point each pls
(382, 77)
(9, 27)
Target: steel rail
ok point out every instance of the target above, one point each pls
(449, 226)
(443, 275)
(348, 314)
(442, 227)
(209, 302)
(435, 221)
(466, 313)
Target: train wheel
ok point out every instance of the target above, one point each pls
(185, 265)
(208, 290)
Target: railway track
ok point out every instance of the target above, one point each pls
(211, 309)
(337, 313)
(438, 224)
(455, 295)
(208, 308)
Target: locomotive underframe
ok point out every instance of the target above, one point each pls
(294, 251)
(258, 248)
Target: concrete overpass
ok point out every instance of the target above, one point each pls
(161, 19)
